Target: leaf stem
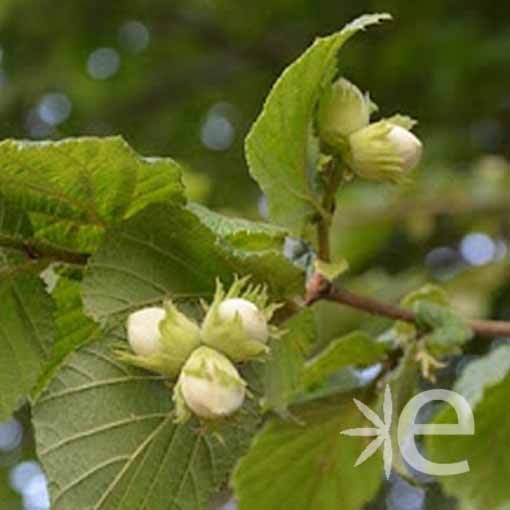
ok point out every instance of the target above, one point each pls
(320, 289)
(333, 178)
(324, 251)
(36, 249)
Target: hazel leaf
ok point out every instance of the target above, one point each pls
(280, 150)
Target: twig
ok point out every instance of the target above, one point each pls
(320, 289)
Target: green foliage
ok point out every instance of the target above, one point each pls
(26, 314)
(357, 348)
(485, 383)
(116, 446)
(241, 233)
(428, 293)
(74, 189)
(449, 331)
(26, 334)
(15, 227)
(14, 222)
(441, 329)
(283, 376)
(280, 148)
(331, 270)
(404, 382)
(73, 328)
(116, 233)
(167, 251)
(310, 465)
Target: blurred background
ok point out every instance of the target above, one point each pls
(187, 78)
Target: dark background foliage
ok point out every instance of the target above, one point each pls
(188, 78)
(193, 68)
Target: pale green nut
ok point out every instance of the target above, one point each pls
(144, 335)
(408, 146)
(253, 320)
(161, 339)
(343, 109)
(236, 323)
(209, 386)
(383, 151)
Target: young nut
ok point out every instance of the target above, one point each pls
(209, 386)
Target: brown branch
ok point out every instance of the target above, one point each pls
(320, 289)
(37, 249)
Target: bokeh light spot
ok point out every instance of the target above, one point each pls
(35, 494)
(404, 496)
(11, 435)
(263, 207)
(230, 505)
(477, 249)
(444, 262)
(134, 36)
(36, 127)
(218, 132)
(22, 473)
(103, 63)
(54, 108)
(368, 374)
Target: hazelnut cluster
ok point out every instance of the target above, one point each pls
(385, 150)
(202, 358)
